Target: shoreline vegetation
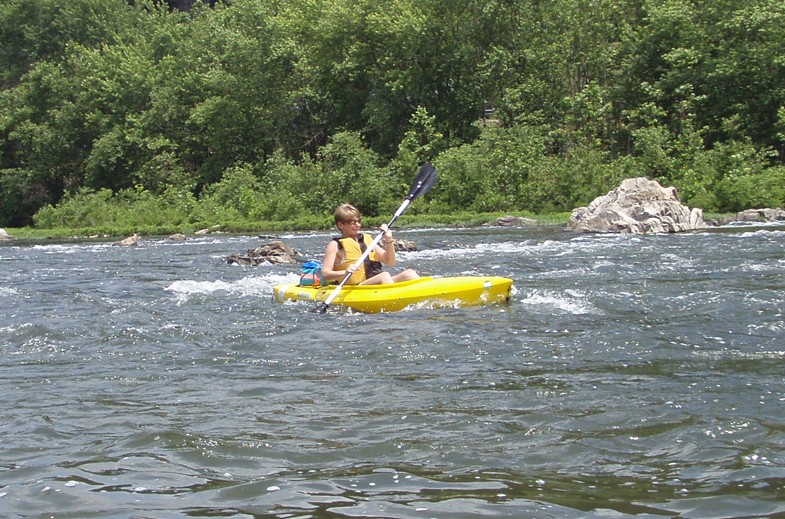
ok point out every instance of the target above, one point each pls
(304, 224)
(313, 224)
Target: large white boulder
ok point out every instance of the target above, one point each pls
(637, 206)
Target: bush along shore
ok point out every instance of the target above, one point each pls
(463, 219)
(106, 232)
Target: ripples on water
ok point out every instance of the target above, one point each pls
(628, 376)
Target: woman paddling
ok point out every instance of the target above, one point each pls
(343, 252)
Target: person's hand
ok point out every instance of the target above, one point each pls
(387, 232)
(351, 269)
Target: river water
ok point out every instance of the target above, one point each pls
(628, 377)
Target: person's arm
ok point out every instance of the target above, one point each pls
(328, 265)
(385, 251)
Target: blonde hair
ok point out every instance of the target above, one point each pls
(346, 212)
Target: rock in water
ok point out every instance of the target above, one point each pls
(404, 245)
(761, 215)
(209, 230)
(637, 206)
(131, 241)
(275, 252)
(511, 221)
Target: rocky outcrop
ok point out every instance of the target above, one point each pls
(131, 241)
(637, 206)
(5, 236)
(761, 215)
(275, 252)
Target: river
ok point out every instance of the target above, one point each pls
(629, 376)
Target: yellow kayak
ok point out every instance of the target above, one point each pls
(430, 292)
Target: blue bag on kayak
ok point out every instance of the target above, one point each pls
(312, 274)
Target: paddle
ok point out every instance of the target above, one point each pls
(426, 178)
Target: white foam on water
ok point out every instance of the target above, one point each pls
(249, 286)
(739, 223)
(481, 249)
(8, 292)
(59, 248)
(571, 301)
(15, 328)
(307, 235)
(762, 232)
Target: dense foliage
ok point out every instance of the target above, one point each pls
(141, 112)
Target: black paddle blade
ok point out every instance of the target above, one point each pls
(322, 308)
(425, 180)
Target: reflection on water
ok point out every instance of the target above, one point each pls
(628, 376)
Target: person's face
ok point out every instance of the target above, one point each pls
(351, 226)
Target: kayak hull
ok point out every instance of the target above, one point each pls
(428, 292)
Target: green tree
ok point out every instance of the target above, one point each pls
(32, 32)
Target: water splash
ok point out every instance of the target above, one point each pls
(249, 286)
(572, 302)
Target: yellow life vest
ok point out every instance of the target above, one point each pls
(352, 250)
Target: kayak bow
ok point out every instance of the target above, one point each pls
(447, 292)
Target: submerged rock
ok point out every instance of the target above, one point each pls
(275, 252)
(637, 206)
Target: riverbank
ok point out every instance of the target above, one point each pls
(301, 224)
